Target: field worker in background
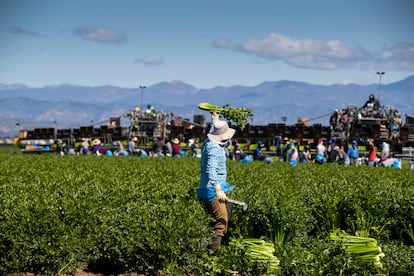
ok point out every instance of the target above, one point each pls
(293, 154)
(167, 149)
(85, 147)
(385, 151)
(213, 177)
(331, 154)
(120, 149)
(353, 153)
(372, 103)
(342, 156)
(284, 149)
(238, 152)
(176, 147)
(195, 149)
(305, 155)
(96, 149)
(372, 153)
(257, 154)
(16, 143)
(150, 110)
(320, 152)
(391, 162)
(157, 147)
(59, 147)
(131, 145)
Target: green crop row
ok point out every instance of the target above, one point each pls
(128, 214)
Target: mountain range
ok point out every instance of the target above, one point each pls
(70, 106)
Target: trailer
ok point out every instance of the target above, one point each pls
(145, 126)
(350, 123)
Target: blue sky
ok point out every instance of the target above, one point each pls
(205, 43)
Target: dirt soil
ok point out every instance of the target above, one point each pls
(81, 272)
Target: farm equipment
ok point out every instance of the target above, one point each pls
(353, 123)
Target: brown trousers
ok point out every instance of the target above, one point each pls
(219, 212)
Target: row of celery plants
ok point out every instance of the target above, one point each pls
(129, 214)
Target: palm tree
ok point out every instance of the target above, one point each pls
(284, 118)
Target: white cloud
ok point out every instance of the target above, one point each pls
(306, 53)
(400, 56)
(22, 31)
(101, 35)
(150, 60)
(222, 42)
(328, 55)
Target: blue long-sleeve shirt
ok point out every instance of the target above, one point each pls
(213, 170)
(353, 152)
(213, 164)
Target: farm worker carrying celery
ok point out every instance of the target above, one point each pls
(213, 173)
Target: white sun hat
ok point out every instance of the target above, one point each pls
(222, 133)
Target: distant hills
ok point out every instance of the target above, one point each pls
(74, 106)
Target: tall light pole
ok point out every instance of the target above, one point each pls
(55, 130)
(379, 85)
(18, 126)
(142, 96)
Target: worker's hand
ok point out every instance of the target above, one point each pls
(221, 196)
(214, 116)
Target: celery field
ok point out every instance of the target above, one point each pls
(115, 215)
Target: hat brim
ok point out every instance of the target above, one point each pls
(222, 138)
